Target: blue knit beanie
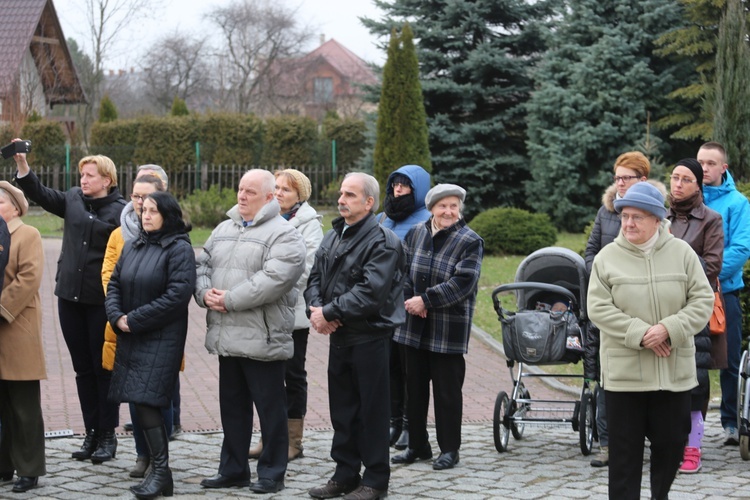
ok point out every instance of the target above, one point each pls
(645, 196)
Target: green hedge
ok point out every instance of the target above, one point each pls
(47, 142)
(512, 231)
(231, 139)
(349, 135)
(116, 139)
(290, 141)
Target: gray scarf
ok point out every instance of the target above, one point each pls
(131, 226)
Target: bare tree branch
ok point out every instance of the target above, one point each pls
(256, 33)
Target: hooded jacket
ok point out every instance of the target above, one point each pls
(735, 213)
(420, 181)
(630, 291)
(152, 284)
(88, 223)
(259, 267)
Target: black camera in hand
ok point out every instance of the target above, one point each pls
(14, 148)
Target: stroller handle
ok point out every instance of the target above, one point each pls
(531, 285)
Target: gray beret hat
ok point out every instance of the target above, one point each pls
(645, 196)
(441, 191)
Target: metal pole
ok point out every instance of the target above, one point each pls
(67, 166)
(197, 165)
(333, 158)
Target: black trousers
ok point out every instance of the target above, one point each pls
(82, 327)
(398, 380)
(447, 373)
(358, 397)
(661, 416)
(296, 376)
(242, 383)
(21, 428)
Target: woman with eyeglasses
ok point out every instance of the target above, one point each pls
(629, 169)
(701, 227)
(649, 296)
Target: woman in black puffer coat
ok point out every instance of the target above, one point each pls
(147, 305)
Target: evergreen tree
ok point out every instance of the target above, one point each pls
(179, 108)
(474, 58)
(694, 43)
(107, 110)
(731, 102)
(595, 88)
(402, 122)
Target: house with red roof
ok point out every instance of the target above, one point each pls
(330, 78)
(36, 69)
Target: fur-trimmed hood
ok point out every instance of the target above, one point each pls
(608, 198)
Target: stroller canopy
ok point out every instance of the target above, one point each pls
(554, 266)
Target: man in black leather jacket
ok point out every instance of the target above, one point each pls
(355, 295)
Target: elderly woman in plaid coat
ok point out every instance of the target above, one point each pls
(444, 258)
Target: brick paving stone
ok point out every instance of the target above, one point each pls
(546, 464)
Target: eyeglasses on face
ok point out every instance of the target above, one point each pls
(683, 180)
(637, 219)
(138, 197)
(401, 185)
(624, 178)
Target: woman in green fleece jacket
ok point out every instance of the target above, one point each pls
(649, 296)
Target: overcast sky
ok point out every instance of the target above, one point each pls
(334, 18)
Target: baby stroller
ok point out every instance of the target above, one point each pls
(548, 328)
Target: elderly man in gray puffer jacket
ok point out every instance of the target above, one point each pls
(247, 276)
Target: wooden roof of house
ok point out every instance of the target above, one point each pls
(34, 25)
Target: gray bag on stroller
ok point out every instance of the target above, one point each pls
(537, 337)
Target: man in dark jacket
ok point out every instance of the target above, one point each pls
(355, 295)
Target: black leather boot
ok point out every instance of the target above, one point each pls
(90, 443)
(159, 480)
(403, 440)
(107, 447)
(395, 429)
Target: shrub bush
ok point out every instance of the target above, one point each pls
(208, 208)
(116, 140)
(513, 231)
(47, 143)
(290, 142)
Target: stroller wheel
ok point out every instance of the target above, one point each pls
(586, 423)
(521, 409)
(501, 431)
(745, 447)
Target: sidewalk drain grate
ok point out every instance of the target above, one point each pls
(58, 434)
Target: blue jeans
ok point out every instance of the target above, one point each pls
(728, 377)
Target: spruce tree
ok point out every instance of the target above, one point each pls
(595, 88)
(474, 57)
(107, 110)
(402, 123)
(731, 97)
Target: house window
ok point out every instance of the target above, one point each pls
(323, 90)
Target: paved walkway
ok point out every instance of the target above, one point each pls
(547, 463)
